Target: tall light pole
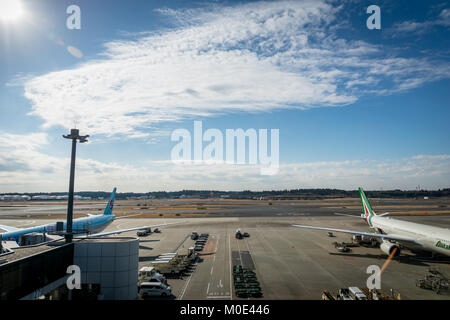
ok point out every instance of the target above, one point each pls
(74, 135)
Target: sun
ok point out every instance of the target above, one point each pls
(10, 10)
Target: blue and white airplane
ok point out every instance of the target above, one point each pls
(81, 227)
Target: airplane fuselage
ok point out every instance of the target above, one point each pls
(91, 224)
(434, 239)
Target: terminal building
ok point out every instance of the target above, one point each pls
(108, 269)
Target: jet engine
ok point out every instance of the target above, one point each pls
(387, 247)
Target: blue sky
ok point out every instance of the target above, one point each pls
(354, 107)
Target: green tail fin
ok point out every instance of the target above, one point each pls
(368, 213)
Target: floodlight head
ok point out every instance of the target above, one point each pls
(83, 139)
(74, 135)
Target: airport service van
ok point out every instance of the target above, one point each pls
(154, 289)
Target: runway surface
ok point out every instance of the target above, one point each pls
(223, 208)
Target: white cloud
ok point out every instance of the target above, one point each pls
(245, 58)
(25, 168)
(405, 27)
(22, 151)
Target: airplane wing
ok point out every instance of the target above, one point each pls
(126, 230)
(8, 228)
(354, 216)
(129, 216)
(375, 235)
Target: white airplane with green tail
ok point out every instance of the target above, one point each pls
(393, 234)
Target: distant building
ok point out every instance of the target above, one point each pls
(15, 198)
(138, 198)
(81, 198)
(63, 197)
(50, 197)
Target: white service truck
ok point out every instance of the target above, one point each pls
(149, 274)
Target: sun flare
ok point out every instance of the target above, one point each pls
(10, 10)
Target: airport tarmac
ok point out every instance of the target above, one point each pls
(215, 207)
(290, 263)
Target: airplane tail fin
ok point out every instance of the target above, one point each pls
(110, 205)
(368, 213)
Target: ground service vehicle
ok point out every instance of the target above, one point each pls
(154, 289)
(166, 267)
(149, 274)
(356, 293)
(344, 294)
(143, 233)
(434, 280)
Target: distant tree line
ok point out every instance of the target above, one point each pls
(247, 194)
